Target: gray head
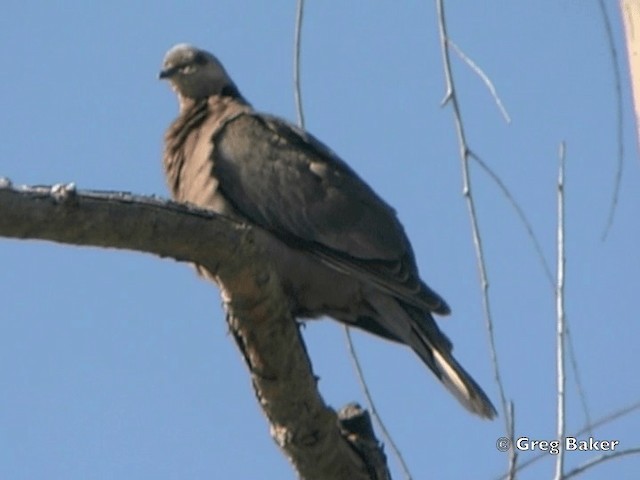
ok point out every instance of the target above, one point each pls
(195, 73)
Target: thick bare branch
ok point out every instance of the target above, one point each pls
(316, 441)
(630, 12)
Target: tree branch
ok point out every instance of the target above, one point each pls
(318, 443)
(630, 14)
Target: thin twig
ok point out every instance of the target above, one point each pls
(521, 215)
(616, 414)
(372, 407)
(523, 218)
(613, 53)
(513, 454)
(560, 320)
(601, 459)
(297, 93)
(547, 270)
(577, 376)
(484, 77)
(359, 373)
(465, 153)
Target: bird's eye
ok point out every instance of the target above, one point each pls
(188, 69)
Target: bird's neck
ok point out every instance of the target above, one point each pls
(228, 92)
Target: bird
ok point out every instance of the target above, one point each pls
(338, 249)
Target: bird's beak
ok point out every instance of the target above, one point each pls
(167, 73)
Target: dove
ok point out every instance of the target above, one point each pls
(337, 248)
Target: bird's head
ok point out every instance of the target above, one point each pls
(195, 74)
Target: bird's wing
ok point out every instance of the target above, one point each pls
(287, 182)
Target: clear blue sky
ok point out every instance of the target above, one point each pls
(119, 365)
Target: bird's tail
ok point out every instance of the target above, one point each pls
(434, 348)
(416, 328)
(461, 384)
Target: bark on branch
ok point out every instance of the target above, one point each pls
(319, 443)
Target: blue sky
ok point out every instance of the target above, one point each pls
(119, 365)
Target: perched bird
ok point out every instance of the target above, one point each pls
(338, 248)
